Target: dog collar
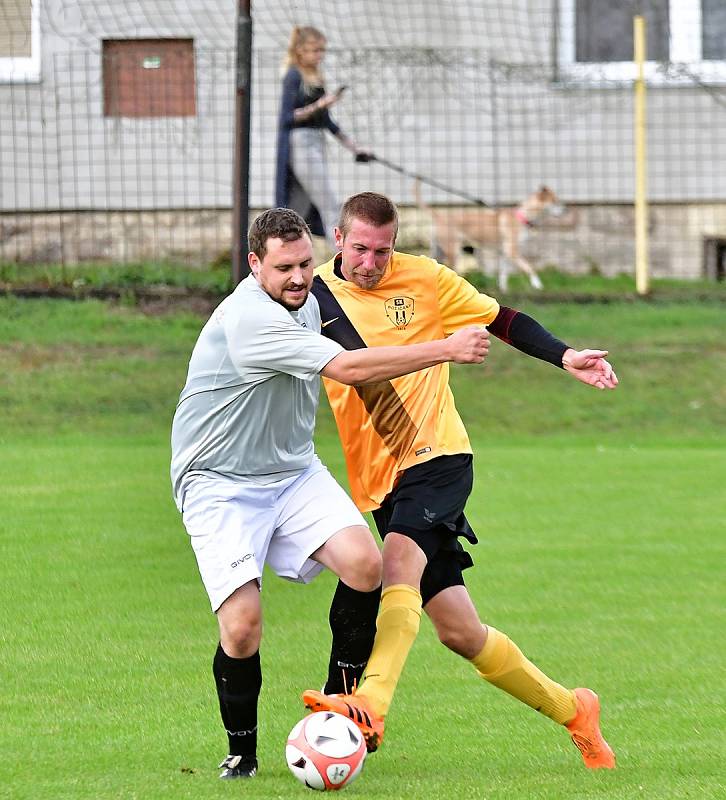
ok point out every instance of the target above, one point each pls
(522, 217)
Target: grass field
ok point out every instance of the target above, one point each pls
(601, 518)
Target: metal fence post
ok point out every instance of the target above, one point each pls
(641, 167)
(242, 143)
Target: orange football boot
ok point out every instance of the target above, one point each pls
(355, 707)
(585, 732)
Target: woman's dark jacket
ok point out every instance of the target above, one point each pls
(288, 191)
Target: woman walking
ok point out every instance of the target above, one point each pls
(303, 180)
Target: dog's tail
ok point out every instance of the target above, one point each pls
(417, 196)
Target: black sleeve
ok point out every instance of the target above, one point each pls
(527, 335)
(331, 124)
(289, 100)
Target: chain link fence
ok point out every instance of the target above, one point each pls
(120, 147)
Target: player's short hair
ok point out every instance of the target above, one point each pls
(276, 223)
(371, 207)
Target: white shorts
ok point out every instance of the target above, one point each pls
(236, 528)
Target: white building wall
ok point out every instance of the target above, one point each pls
(447, 111)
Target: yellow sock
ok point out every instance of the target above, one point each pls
(502, 663)
(396, 630)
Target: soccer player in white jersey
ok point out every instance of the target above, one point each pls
(246, 478)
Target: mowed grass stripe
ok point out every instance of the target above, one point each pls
(109, 640)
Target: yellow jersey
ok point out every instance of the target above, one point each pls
(389, 426)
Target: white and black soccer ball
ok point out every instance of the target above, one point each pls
(325, 751)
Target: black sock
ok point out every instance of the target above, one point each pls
(353, 624)
(238, 686)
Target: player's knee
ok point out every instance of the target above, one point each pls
(368, 571)
(241, 636)
(403, 560)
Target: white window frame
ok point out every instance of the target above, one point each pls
(27, 69)
(685, 48)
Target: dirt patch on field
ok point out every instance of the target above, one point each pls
(154, 300)
(160, 300)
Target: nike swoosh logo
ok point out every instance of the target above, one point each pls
(328, 322)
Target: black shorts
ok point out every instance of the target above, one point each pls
(427, 505)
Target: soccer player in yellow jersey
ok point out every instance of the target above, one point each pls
(410, 462)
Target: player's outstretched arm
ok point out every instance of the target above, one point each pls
(526, 334)
(469, 345)
(590, 367)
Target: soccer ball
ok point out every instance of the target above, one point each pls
(325, 751)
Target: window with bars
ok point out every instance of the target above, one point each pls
(684, 39)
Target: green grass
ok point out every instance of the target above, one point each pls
(133, 279)
(88, 276)
(601, 524)
(595, 287)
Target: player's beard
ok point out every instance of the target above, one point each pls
(297, 304)
(367, 281)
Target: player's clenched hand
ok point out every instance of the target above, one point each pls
(590, 367)
(469, 345)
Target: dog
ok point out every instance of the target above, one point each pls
(502, 228)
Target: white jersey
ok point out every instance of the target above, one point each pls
(248, 408)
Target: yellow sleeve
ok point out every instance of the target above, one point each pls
(460, 303)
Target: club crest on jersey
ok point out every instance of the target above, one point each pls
(399, 310)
